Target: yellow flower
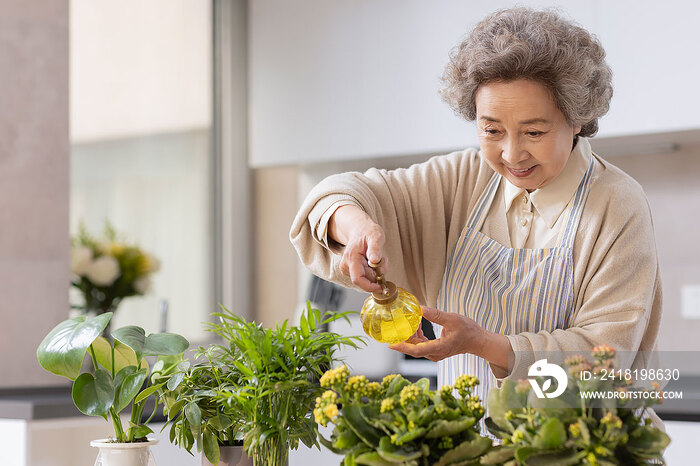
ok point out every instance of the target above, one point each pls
(575, 430)
(387, 380)
(575, 360)
(612, 420)
(319, 417)
(331, 411)
(357, 385)
(446, 390)
(387, 405)
(334, 377)
(591, 459)
(464, 384)
(374, 390)
(408, 394)
(603, 352)
(329, 396)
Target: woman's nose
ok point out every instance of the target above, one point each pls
(513, 152)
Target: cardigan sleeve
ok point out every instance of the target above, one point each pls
(414, 206)
(618, 302)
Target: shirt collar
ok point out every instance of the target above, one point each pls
(551, 199)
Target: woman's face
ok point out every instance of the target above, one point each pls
(522, 133)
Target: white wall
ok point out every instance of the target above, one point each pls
(336, 80)
(34, 184)
(139, 68)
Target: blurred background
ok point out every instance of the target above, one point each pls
(196, 128)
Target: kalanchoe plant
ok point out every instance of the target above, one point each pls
(573, 429)
(258, 386)
(397, 422)
(119, 368)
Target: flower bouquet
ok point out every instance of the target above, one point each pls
(573, 428)
(107, 270)
(398, 422)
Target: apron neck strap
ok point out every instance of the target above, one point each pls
(579, 201)
(481, 210)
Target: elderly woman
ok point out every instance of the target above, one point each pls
(530, 244)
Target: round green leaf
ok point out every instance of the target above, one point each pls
(159, 344)
(94, 395)
(194, 415)
(123, 355)
(132, 336)
(550, 435)
(63, 349)
(127, 384)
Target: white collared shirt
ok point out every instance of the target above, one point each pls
(535, 219)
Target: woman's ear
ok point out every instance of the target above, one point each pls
(577, 129)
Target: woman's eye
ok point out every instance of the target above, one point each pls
(491, 131)
(534, 133)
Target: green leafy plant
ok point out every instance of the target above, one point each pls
(119, 368)
(107, 270)
(258, 386)
(398, 422)
(573, 429)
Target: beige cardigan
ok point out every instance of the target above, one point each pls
(424, 208)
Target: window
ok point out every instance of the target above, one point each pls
(141, 151)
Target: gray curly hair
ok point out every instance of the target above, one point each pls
(522, 43)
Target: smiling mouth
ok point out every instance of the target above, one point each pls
(522, 173)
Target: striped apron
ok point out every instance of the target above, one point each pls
(507, 290)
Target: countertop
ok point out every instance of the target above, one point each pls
(56, 402)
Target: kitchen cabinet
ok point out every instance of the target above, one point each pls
(358, 80)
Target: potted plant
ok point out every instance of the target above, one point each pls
(115, 380)
(398, 422)
(257, 387)
(106, 270)
(572, 429)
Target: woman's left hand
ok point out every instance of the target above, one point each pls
(460, 334)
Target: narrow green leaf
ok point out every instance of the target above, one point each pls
(304, 325)
(395, 454)
(94, 395)
(368, 434)
(568, 457)
(498, 455)
(443, 428)
(465, 451)
(174, 410)
(148, 392)
(372, 459)
(63, 349)
(211, 447)
(132, 336)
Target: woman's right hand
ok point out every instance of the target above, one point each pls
(364, 243)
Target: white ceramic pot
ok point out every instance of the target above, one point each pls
(230, 456)
(124, 454)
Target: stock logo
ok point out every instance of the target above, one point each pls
(544, 369)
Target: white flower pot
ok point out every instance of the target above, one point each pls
(124, 454)
(230, 456)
